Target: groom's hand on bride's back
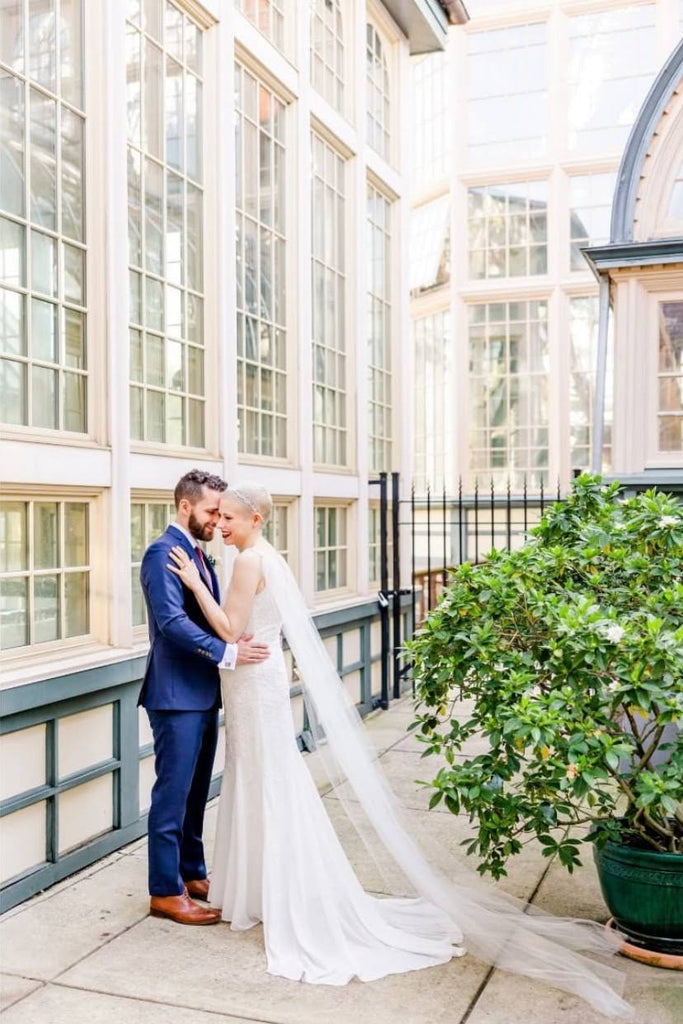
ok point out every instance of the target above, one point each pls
(249, 652)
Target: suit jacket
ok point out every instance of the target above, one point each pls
(182, 665)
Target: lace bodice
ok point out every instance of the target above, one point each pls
(264, 622)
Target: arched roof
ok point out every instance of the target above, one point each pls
(645, 127)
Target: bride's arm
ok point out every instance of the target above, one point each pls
(228, 622)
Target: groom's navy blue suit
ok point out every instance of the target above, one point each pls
(181, 693)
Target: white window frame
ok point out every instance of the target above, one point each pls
(655, 458)
(38, 657)
(333, 594)
(211, 205)
(92, 245)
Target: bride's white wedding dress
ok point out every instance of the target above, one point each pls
(277, 857)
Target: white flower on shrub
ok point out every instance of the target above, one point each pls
(667, 521)
(499, 667)
(614, 686)
(614, 633)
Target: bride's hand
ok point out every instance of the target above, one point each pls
(185, 568)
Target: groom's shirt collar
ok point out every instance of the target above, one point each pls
(186, 533)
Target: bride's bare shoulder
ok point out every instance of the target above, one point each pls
(248, 557)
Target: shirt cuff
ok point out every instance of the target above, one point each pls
(229, 659)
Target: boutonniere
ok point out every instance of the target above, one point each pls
(212, 560)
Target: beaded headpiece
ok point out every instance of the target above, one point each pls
(241, 496)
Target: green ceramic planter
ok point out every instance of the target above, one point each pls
(643, 890)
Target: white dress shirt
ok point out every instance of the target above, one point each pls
(229, 659)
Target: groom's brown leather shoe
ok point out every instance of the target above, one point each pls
(199, 889)
(182, 910)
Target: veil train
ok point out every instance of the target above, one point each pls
(496, 928)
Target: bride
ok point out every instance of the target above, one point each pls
(278, 859)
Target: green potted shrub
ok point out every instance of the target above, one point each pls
(569, 653)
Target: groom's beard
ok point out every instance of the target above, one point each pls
(199, 531)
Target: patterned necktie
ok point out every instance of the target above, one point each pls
(204, 566)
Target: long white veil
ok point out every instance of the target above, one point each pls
(496, 927)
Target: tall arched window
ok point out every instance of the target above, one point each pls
(378, 110)
(327, 51)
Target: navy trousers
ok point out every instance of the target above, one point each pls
(184, 750)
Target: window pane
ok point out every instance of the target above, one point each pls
(12, 327)
(13, 391)
(670, 377)
(12, 253)
(170, 246)
(74, 402)
(508, 94)
(72, 175)
(46, 535)
(379, 330)
(13, 536)
(44, 336)
(137, 536)
(44, 397)
(11, 142)
(13, 613)
(615, 53)
(327, 50)
(41, 42)
(71, 43)
(267, 16)
(43, 263)
(43, 160)
(45, 609)
(76, 534)
(76, 600)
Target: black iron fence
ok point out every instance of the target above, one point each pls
(447, 530)
(444, 530)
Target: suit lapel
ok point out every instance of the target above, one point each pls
(180, 538)
(191, 549)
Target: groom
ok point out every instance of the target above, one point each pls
(181, 694)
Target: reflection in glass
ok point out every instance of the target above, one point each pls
(46, 536)
(612, 61)
(12, 35)
(12, 327)
(43, 263)
(327, 51)
(11, 142)
(12, 253)
(44, 337)
(13, 391)
(75, 534)
(13, 536)
(45, 609)
(71, 51)
(508, 94)
(74, 402)
(670, 377)
(508, 346)
(14, 617)
(377, 93)
(44, 397)
(41, 43)
(43, 159)
(76, 604)
(590, 207)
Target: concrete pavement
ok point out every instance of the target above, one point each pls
(86, 952)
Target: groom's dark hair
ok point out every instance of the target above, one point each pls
(191, 486)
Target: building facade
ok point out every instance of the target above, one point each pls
(203, 235)
(640, 272)
(511, 184)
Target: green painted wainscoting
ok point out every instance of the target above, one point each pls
(81, 755)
